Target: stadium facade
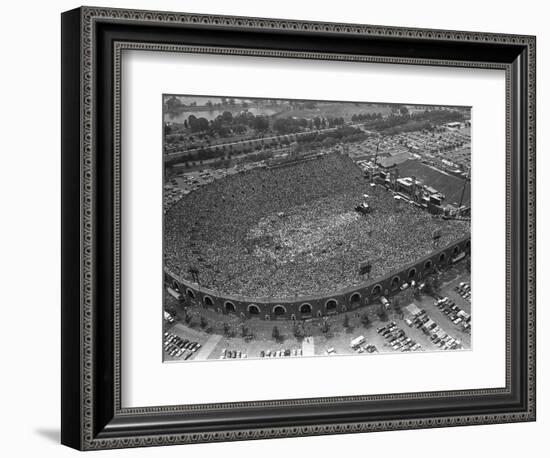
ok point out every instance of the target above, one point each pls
(306, 307)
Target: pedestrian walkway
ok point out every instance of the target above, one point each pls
(206, 350)
(308, 347)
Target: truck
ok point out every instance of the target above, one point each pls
(175, 294)
(358, 341)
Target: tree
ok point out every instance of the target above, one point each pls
(365, 320)
(346, 323)
(325, 326)
(382, 314)
(192, 123)
(397, 306)
(187, 317)
(227, 117)
(203, 322)
(260, 123)
(173, 103)
(171, 307)
(226, 329)
(276, 334)
(298, 331)
(203, 124)
(396, 303)
(244, 330)
(432, 285)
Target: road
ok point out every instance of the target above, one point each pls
(170, 156)
(308, 347)
(207, 349)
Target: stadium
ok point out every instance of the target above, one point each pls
(286, 241)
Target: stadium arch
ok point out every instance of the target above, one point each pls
(229, 307)
(279, 310)
(355, 299)
(395, 283)
(331, 305)
(175, 286)
(377, 290)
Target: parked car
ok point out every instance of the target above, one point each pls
(168, 317)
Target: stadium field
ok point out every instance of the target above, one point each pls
(292, 231)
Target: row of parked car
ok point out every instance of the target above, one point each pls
(464, 290)
(359, 344)
(438, 336)
(458, 316)
(281, 353)
(233, 354)
(421, 320)
(444, 341)
(397, 339)
(178, 347)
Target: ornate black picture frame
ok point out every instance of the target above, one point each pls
(92, 42)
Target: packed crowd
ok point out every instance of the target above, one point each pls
(293, 231)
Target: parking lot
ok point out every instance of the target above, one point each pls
(261, 344)
(189, 337)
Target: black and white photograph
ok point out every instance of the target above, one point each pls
(314, 228)
(275, 229)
